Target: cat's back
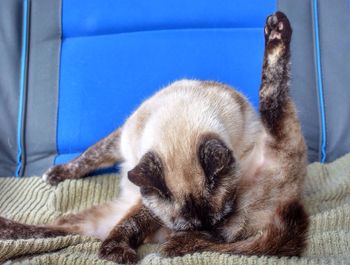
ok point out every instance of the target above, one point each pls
(180, 112)
(194, 102)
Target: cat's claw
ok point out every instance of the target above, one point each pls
(277, 28)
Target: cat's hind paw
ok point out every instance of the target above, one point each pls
(57, 174)
(277, 29)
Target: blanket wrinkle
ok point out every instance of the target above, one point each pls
(30, 200)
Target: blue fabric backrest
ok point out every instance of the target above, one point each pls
(118, 53)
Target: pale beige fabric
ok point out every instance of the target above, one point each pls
(30, 200)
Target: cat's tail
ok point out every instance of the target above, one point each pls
(14, 230)
(96, 221)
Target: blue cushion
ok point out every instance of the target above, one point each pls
(117, 54)
(91, 17)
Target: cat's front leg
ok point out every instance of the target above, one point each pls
(121, 243)
(104, 153)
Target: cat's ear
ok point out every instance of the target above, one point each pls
(215, 157)
(148, 175)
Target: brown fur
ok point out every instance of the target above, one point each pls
(13, 230)
(286, 237)
(128, 235)
(107, 155)
(269, 209)
(203, 161)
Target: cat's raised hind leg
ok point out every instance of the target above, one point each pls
(104, 153)
(275, 104)
(277, 109)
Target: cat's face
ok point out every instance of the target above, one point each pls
(197, 195)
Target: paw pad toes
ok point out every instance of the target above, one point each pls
(266, 30)
(274, 19)
(280, 26)
(269, 20)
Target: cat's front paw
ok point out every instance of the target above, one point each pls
(277, 29)
(119, 252)
(57, 174)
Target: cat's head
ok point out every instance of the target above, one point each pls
(197, 193)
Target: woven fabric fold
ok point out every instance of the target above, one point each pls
(30, 200)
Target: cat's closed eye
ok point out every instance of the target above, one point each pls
(151, 191)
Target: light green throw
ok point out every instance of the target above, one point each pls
(30, 200)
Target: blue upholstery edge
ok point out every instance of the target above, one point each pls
(58, 90)
(22, 85)
(320, 85)
(58, 96)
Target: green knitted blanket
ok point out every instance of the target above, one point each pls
(30, 200)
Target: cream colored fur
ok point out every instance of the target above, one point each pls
(171, 123)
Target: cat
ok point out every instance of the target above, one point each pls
(200, 170)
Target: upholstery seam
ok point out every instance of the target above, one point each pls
(320, 84)
(22, 90)
(59, 79)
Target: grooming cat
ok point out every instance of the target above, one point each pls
(200, 170)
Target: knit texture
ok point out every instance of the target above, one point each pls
(32, 201)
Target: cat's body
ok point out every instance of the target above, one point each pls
(210, 170)
(172, 123)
